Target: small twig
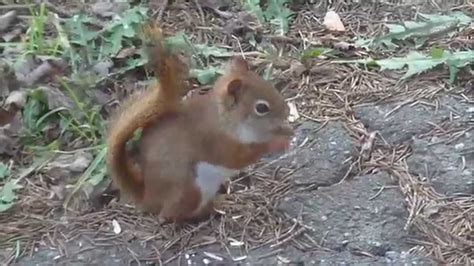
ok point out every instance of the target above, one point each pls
(378, 193)
(158, 14)
(201, 13)
(56, 9)
(135, 258)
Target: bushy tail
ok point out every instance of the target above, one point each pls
(142, 110)
(170, 71)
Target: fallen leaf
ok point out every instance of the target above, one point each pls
(12, 52)
(333, 22)
(7, 143)
(76, 162)
(56, 98)
(215, 6)
(240, 25)
(6, 19)
(8, 81)
(102, 68)
(17, 98)
(294, 115)
(29, 72)
(24, 65)
(66, 165)
(6, 116)
(99, 97)
(10, 35)
(296, 68)
(12, 123)
(108, 9)
(126, 52)
(51, 131)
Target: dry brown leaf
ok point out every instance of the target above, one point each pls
(333, 22)
(126, 52)
(6, 116)
(99, 96)
(239, 25)
(51, 131)
(66, 165)
(8, 131)
(297, 68)
(17, 98)
(102, 68)
(6, 19)
(30, 72)
(108, 9)
(7, 143)
(215, 6)
(56, 98)
(10, 35)
(8, 81)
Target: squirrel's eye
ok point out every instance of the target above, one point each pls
(262, 107)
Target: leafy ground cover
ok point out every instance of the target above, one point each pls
(378, 92)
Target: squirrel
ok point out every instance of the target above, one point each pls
(189, 148)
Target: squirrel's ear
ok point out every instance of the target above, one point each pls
(239, 64)
(234, 87)
(234, 90)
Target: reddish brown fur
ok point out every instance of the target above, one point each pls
(139, 111)
(177, 135)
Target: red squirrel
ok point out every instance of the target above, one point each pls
(188, 148)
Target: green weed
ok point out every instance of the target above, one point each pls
(37, 39)
(276, 13)
(418, 31)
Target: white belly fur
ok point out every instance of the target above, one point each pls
(209, 178)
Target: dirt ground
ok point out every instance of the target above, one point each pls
(379, 173)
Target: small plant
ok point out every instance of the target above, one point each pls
(4, 171)
(7, 191)
(82, 120)
(418, 31)
(276, 13)
(417, 62)
(8, 195)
